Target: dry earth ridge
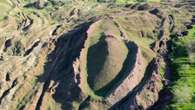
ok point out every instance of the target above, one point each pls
(89, 55)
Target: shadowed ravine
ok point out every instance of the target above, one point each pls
(60, 67)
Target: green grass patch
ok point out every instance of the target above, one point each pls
(183, 87)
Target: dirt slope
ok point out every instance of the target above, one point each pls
(83, 54)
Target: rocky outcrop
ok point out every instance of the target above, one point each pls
(149, 94)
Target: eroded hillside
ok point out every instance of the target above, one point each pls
(96, 55)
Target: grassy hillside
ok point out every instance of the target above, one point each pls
(105, 60)
(63, 54)
(183, 64)
(104, 55)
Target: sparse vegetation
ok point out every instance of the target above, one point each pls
(135, 1)
(94, 54)
(105, 60)
(5, 7)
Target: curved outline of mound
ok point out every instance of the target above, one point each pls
(95, 30)
(96, 56)
(104, 61)
(134, 78)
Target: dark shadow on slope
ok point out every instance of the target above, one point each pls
(96, 58)
(85, 104)
(124, 72)
(59, 68)
(127, 100)
(165, 97)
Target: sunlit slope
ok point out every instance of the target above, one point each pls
(5, 7)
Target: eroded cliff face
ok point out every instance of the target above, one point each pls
(86, 55)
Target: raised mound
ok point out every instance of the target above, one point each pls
(104, 61)
(87, 55)
(105, 55)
